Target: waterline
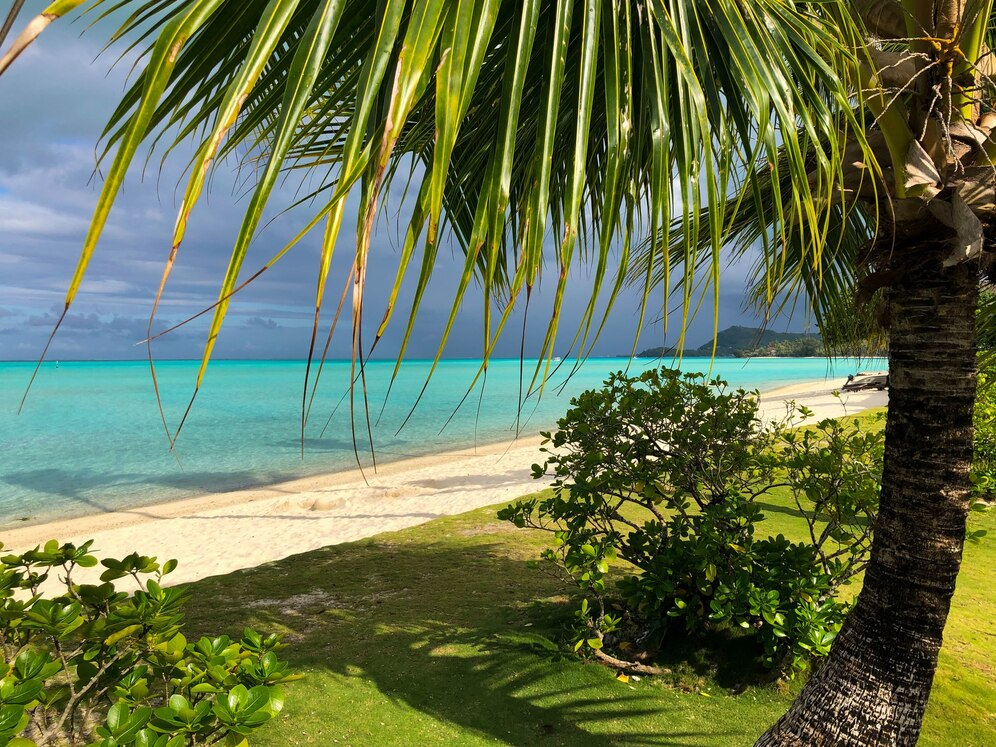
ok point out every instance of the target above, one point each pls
(90, 439)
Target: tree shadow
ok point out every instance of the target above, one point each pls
(425, 625)
(793, 511)
(774, 508)
(730, 657)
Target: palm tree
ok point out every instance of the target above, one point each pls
(848, 145)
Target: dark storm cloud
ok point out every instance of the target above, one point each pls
(53, 104)
(260, 322)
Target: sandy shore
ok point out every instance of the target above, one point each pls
(220, 533)
(820, 397)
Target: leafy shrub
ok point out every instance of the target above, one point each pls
(984, 462)
(833, 470)
(664, 471)
(94, 665)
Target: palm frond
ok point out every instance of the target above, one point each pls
(575, 122)
(784, 276)
(9, 19)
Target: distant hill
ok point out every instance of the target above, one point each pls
(739, 341)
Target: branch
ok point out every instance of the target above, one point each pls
(632, 666)
(70, 706)
(893, 122)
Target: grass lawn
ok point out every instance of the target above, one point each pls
(416, 638)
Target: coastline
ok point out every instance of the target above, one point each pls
(222, 532)
(202, 500)
(810, 387)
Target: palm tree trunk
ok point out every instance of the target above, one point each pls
(873, 688)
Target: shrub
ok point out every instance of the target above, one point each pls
(94, 665)
(663, 471)
(984, 462)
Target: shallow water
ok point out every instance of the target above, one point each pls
(90, 438)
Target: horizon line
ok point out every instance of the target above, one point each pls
(34, 361)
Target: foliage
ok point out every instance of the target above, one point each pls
(511, 120)
(801, 347)
(95, 665)
(665, 471)
(732, 341)
(833, 470)
(985, 322)
(410, 647)
(984, 462)
(749, 342)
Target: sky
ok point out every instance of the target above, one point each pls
(54, 102)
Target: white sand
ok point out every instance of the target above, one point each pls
(220, 533)
(820, 397)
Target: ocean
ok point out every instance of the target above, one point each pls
(90, 438)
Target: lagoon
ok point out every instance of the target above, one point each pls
(90, 438)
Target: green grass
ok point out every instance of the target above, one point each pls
(418, 638)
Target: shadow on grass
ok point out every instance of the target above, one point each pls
(731, 658)
(774, 508)
(425, 625)
(788, 510)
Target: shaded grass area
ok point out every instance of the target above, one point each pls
(425, 636)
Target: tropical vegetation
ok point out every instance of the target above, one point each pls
(810, 345)
(450, 633)
(666, 471)
(87, 663)
(740, 341)
(846, 148)
(984, 462)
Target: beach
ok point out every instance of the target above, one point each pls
(90, 439)
(223, 532)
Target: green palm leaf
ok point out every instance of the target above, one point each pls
(576, 122)
(650, 138)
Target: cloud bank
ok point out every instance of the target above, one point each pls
(53, 104)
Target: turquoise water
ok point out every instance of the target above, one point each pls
(90, 438)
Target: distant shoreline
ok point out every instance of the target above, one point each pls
(145, 361)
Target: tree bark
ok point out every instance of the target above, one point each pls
(873, 688)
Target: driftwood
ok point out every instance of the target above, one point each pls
(866, 381)
(631, 666)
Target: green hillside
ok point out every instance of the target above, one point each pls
(738, 341)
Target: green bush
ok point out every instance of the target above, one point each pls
(94, 665)
(664, 471)
(984, 463)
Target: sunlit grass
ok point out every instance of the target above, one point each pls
(416, 637)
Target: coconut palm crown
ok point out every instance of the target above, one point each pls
(846, 146)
